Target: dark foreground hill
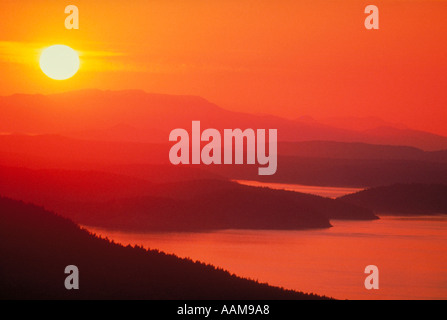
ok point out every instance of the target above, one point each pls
(409, 199)
(36, 246)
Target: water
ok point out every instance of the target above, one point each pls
(410, 254)
(329, 192)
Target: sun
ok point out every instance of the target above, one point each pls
(59, 62)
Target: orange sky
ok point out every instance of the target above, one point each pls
(286, 57)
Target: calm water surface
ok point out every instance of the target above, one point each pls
(410, 254)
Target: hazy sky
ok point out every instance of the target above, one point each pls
(289, 58)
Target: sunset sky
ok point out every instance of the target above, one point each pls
(288, 57)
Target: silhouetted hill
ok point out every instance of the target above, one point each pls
(60, 150)
(121, 202)
(36, 246)
(220, 208)
(405, 137)
(133, 115)
(410, 199)
(361, 151)
(53, 186)
(333, 172)
(311, 163)
(326, 207)
(358, 123)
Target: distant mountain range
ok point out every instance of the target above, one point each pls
(322, 163)
(36, 246)
(137, 116)
(335, 172)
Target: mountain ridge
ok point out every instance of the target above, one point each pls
(155, 115)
